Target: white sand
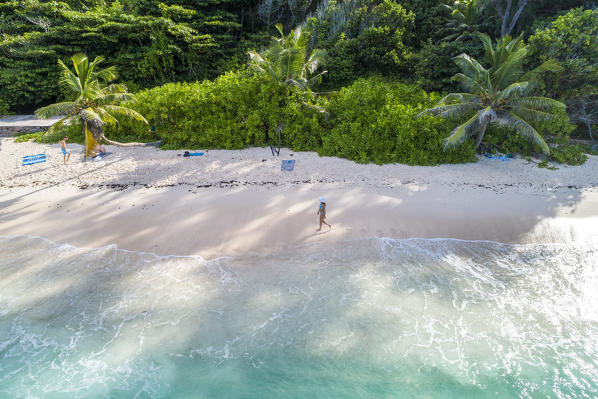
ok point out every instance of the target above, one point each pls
(234, 202)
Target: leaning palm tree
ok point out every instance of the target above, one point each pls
(93, 99)
(287, 60)
(497, 94)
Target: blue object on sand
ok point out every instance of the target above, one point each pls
(288, 165)
(31, 159)
(499, 157)
(192, 154)
(102, 155)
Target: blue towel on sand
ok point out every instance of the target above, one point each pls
(192, 154)
(500, 157)
(31, 159)
(288, 165)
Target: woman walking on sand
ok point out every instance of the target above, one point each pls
(322, 213)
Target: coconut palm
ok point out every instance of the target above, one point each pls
(287, 60)
(94, 100)
(497, 94)
(464, 16)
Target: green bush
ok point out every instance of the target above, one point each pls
(376, 121)
(236, 110)
(361, 38)
(369, 121)
(24, 137)
(4, 108)
(434, 66)
(572, 40)
(569, 154)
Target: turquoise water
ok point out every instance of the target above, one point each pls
(375, 318)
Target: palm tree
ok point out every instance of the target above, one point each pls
(497, 94)
(93, 100)
(287, 61)
(464, 15)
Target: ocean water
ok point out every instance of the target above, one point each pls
(375, 318)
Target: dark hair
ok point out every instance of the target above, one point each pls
(65, 137)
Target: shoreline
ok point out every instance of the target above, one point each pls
(235, 203)
(217, 222)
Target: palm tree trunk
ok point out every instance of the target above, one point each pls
(481, 132)
(133, 144)
(84, 123)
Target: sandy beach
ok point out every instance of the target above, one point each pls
(228, 203)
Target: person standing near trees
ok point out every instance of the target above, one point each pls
(65, 152)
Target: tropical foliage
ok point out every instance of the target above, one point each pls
(149, 42)
(497, 94)
(369, 121)
(93, 100)
(201, 47)
(287, 60)
(572, 39)
(376, 121)
(362, 37)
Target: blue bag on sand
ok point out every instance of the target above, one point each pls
(31, 159)
(288, 165)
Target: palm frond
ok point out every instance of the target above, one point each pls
(58, 109)
(80, 62)
(487, 113)
(451, 110)
(526, 130)
(114, 89)
(124, 111)
(509, 69)
(286, 60)
(539, 103)
(533, 115)
(57, 125)
(316, 78)
(278, 27)
(453, 98)
(315, 60)
(488, 48)
(469, 83)
(461, 132)
(469, 66)
(517, 88)
(88, 114)
(105, 115)
(68, 80)
(107, 74)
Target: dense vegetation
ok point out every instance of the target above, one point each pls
(186, 60)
